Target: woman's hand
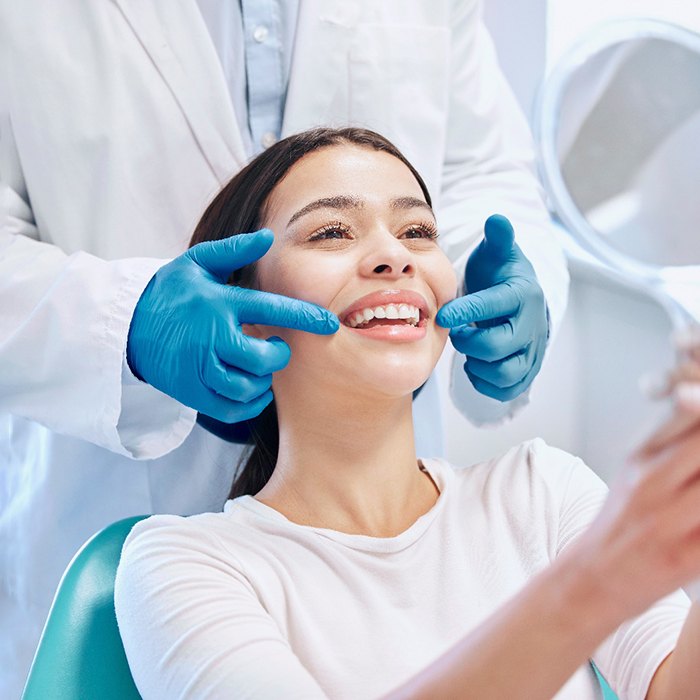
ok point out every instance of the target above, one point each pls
(683, 386)
(678, 677)
(646, 541)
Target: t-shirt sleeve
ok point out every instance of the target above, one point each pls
(192, 625)
(629, 657)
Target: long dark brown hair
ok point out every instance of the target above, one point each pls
(240, 208)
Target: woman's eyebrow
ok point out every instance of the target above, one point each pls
(342, 201)
(337, 202)
(410, 203)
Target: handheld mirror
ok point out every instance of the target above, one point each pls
(618, 131)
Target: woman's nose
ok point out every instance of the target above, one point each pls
(388, 258)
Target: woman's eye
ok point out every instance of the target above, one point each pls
(421, 232)
(329, 233)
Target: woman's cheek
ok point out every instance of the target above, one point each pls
(302, 277)
(448, 285)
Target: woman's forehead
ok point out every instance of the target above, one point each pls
(347, 172)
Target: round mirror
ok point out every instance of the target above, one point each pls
(618, 129)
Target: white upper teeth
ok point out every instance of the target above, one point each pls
(406, 311)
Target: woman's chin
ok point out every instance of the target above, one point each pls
(388, 381)
(380, 370)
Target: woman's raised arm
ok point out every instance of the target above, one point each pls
(644, 544)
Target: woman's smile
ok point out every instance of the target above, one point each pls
(398, 315)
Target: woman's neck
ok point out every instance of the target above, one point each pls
(348, 464)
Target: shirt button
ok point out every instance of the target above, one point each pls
(260, 33)
(268, 139)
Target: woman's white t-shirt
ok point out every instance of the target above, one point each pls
(246, 604)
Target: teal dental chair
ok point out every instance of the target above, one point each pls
(80, 654)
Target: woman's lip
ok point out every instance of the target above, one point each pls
(385, 297)
(404, 333)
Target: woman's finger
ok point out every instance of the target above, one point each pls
(680, 425)
(674, 467)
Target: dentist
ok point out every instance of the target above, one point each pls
(119, 121)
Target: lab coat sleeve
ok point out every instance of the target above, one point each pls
(488, 169)
(63, 329)
(192, 624)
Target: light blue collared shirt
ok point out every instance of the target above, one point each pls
(254, 40)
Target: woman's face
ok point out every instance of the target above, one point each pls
(354, 234)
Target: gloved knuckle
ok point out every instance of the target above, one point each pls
(243, 388)
(507, 331)
(498, 376)
(513, 371)
(534, 292)
(505, 395)
(233, 414)
(254, 408)
(210, 375)
(485, 344)
(251, 389)
(481, 347)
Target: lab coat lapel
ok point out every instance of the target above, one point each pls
(178, 43)
(318, 87)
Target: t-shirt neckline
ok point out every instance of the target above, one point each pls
(262, 512)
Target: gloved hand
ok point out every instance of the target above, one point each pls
(505, 301)
(186, 340)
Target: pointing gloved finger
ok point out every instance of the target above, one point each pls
(499, 301)
(253, 355)
(277, 310)
(233, 383)
(490, 344)
(507, 394)
(222, 257)
(502, 374)
(228, 411)
(499, 238)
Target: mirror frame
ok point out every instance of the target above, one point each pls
(546, 124)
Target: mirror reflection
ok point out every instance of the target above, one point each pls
(628, 145)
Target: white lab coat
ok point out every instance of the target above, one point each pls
(116, 129)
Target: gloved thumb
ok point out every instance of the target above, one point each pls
(499, 237)
(222, 257)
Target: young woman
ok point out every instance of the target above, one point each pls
(343, 566)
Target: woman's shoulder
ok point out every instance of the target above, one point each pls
(172, 540)
(529, 466)
(174, 528)
(535, 452)
(165, 556)
(532, 487)
(229, 537)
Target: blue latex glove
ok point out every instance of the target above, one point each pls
(506, 303)
(186, 340)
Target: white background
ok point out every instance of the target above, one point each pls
(587, 398)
